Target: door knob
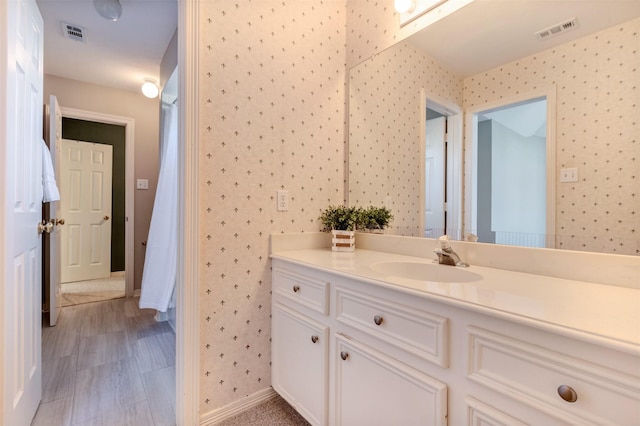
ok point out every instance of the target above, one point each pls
(106, 218)
(59, 222)
(44, 226)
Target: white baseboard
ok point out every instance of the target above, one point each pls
(136, 292)
(117, 274)
(218, 415)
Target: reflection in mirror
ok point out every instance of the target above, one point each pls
(509, 148)
(595, 77)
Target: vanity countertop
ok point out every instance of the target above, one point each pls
(599, 313)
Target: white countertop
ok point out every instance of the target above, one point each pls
(596, 312)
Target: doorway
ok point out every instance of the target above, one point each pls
(118, 132)
(93, 239)
(441, 175)
(512, 171)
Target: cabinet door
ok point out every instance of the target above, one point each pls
(374, 389)
(300, 362)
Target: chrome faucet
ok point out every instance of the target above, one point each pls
(446, 255)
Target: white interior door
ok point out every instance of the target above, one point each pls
(85, 204)
(53, 135)
(21, 192)
(435, 177)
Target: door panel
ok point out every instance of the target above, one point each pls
(86, 170)
(22, 210)
(435, 177)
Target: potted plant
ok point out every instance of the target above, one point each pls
(342, 221)
(375, 219)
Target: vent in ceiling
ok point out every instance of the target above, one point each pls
(557, 29)
(73, 32)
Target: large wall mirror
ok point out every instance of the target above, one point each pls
(469, 74)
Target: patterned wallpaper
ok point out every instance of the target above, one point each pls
(596, 78)
(272, 102)
(384, 129)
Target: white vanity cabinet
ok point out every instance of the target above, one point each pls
(300, 343)
(330, 360)
(388, 355)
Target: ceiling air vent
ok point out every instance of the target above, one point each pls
(73, 32)
(557, 29)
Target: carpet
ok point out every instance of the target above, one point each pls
(79, 292)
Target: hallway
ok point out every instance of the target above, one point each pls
(107, 363)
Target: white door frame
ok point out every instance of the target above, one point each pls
(129, 202)
(454, 160)
(471, 158)
(187, 306)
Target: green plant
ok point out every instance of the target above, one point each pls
(340, 218)
(375, 217)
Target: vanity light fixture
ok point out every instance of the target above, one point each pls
(404, 6)
(150, 89)
(409, 10)
(108, 9)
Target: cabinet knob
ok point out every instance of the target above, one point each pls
(344, 355)
(567, 393)
(378, 319)
(314, 339)
(296, 288)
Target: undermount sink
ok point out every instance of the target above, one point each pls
(425, 272)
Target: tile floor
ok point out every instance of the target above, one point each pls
(107, 363)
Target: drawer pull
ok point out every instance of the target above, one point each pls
(344, 355)
(567, 393)
(378, 319)
(296, 288)
(314, 339)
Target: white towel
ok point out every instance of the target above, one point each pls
(49, 187)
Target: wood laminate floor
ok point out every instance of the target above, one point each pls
(107, 363)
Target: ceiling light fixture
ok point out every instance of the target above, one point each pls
(150, 89)
(108, 9)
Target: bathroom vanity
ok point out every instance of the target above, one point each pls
(363, 338)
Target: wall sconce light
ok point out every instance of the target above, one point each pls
(108, 9)
(150, 89)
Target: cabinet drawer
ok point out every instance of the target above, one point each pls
(420, 333)
(305, 290)
(533, 374)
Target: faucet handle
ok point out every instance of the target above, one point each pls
(444, 242)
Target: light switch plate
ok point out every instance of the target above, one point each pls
(142, 184)
(569, 174)
(283, 200)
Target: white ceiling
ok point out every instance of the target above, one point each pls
(487, 33)
(118, 54)
(122, 54)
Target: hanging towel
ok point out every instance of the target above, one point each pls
(49, 187)
(160, 263)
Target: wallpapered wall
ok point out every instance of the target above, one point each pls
(272, 105)
(384, 129)
(596, 79)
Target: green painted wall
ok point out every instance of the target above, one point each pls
(114, 135)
